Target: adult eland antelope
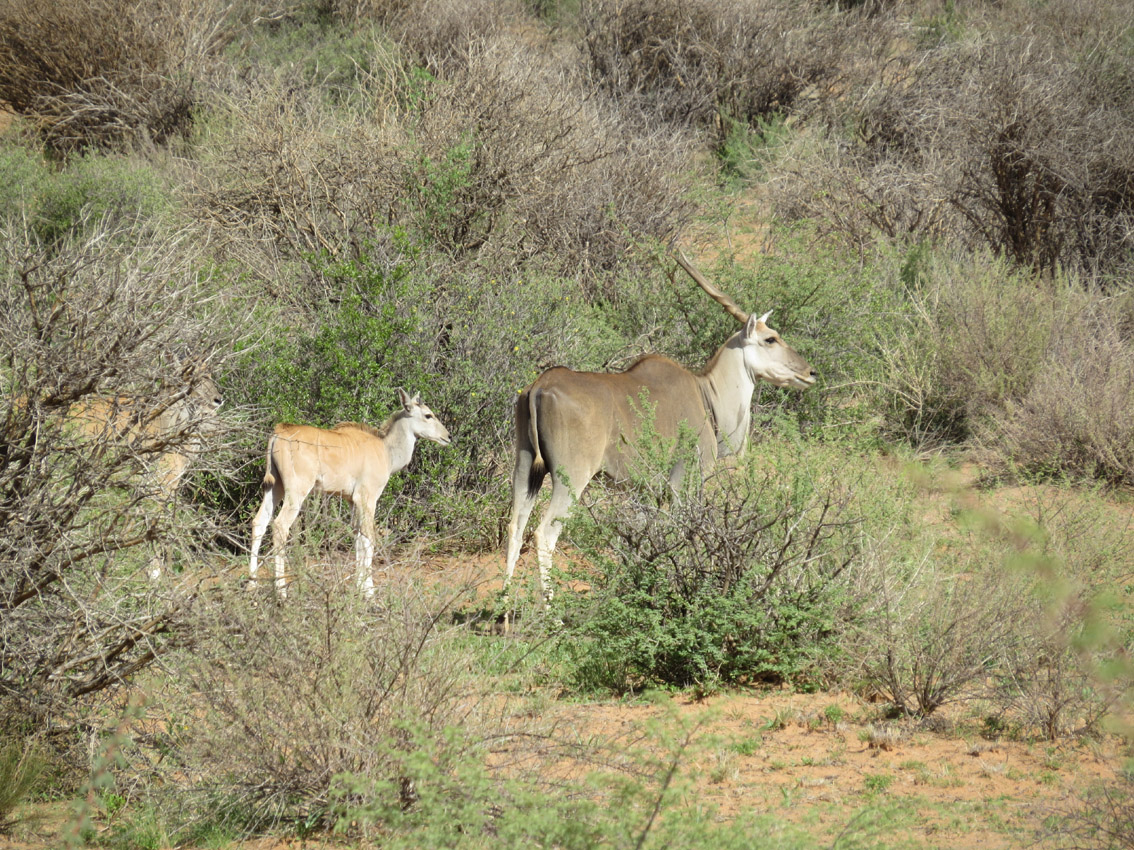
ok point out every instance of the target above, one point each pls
(572, 424)
(351, 460)
(165, 431)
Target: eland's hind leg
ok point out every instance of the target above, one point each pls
(525, 488)
(292, 502)
(272, 496)
(550, 527)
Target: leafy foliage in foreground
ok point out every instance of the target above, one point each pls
(733, 579)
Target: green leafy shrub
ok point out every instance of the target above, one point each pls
(736, 579)
(468, 344)
(84, 193)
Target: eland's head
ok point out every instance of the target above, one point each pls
(424, 424)
(768, 358)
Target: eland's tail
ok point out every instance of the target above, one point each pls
(539, 466)
(269, 478)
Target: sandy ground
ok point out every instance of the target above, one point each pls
(828, 764)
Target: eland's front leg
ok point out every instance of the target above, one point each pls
(364, 541)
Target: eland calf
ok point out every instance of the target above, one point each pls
(351, 460)
(570, 425)
(165, 431)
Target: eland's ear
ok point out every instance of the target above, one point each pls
(763, 320)
(750, 332)
(416, 398)
(403, 398)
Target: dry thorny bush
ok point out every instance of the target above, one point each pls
(1078, 413)
(924, 638)
(694, 63)
(1013, 615)
(93, 328)
(503, 159)
(106, 73)
(538, 167)
(1034, 374)
(289, 182)
(1009, 140)
(287, 709)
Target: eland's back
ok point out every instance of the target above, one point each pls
(336, 460)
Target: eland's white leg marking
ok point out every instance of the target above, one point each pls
(364, 559)
(549, 529)
(364, 542)
(521, 510)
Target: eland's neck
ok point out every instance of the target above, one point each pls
(399, 441)
(728, 389)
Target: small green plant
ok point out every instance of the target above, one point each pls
(877, 782)
(113, 804)
(834, 715)
(779, 720)
(745, 150)
(748, 746)
(20, 768)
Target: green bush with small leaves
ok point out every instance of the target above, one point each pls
(733, 579)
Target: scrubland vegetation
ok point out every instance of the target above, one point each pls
(317, 202)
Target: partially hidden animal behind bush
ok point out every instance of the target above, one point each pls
(92, 426)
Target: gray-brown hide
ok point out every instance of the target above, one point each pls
(352, 460)
(571, 425)
(165, 431)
